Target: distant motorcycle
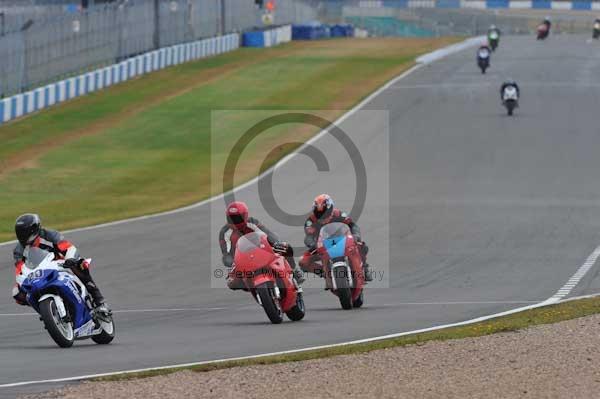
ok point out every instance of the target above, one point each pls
(596, 32)
(342, 264)
(62, 301)
(493, 39)
(543, 30)
(510, 98)
(483, 58)
(268, 277)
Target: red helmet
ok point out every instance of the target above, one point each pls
(322, 206)
(237, 214)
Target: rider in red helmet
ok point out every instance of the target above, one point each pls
(324, 212)
(240, 223)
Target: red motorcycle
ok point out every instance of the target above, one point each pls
(543, 30)
(268, 277)
(342, 264)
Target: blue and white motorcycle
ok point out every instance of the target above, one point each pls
(62, 300)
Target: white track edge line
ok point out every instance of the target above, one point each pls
(590, 261)
(421, 61)
(419, 65)
(292, 351)
(255, 179)
(574, 280)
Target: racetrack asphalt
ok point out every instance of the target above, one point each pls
(486, 213)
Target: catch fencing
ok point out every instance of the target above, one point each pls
(43, 44)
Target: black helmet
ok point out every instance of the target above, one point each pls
(27, 228)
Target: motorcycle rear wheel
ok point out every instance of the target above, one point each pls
(269, 303)
(60, 331)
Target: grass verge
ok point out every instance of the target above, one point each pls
(543, 315)
(143, 146)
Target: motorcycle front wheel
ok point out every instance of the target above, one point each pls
(297, 312)
(270, 303)
(107, 334)
(60, 330)
(343, 287)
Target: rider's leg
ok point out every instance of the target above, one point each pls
(308, 264)
(298, 274)
(364, 250)
(83, 273)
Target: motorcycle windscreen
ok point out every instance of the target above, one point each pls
(35, 257)
(253, 249)
(332, 237)
(483, 53)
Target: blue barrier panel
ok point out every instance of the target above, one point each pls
(1, 111)
(253, 39)
(581, 5)
(447, 3)
(96, 80)
(541, 4)
(341, 31)
(36, 101)
(496, 4)
(395, 3)
(302, 32)
(26, 103)
(77, 87)
(13, 109)
(46, 96)
(310, 32)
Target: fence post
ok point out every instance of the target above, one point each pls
(222, 17)
(26, 61)
(156, 36)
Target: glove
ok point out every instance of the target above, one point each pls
(281, 247)
(227, 260)
(19, 296)
(72, 263)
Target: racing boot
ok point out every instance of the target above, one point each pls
(367, 272)
(364, 250)
(100, 308)
(298, 274)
